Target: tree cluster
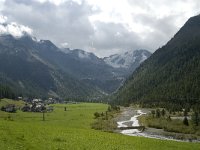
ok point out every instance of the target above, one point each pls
(6, 92)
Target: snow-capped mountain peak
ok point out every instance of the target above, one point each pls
(127, 59)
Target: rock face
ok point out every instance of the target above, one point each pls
(171, 74)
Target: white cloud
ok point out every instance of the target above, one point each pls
(18, 30)
(65, 45)
(59, 2)
(100, 26)
(13, 28)
(3, 19)
(1, 4)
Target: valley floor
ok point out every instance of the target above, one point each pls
(71, 130)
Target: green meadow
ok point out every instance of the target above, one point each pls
(71, 130)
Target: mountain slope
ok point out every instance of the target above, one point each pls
(128, 61)
(171, 74)
(86, 67)
(25, 69)
(95, 71)
(38, 67)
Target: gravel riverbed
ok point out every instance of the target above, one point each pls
(128, 118)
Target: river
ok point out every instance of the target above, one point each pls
(125, 121)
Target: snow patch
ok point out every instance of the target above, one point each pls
(36, 39)
(144, 57)
(123, 60)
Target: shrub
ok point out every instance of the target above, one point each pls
(185, 121)
(158, 113)
(163, 112)
(97, 115)
(109, 109)
(153, 112)
(195, 118)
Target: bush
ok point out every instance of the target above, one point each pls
(158, 113)
(185, 121)
(115, 108)
(3, 108)
(109, 109)
(153, 113)
(195, 118)
(163, 112)
(97, 115)
(104, 125)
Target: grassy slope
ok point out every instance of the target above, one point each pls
(5, 101)
(71, 130)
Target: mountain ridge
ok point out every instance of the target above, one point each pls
(126, 59)
(22, 62)
(63, 69)
(171, 74)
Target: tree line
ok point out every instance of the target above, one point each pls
(6, 92)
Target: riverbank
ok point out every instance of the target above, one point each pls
(129, 117)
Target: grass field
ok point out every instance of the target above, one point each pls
(71, 130)
(4, 102)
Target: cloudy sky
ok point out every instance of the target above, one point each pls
(103, 27)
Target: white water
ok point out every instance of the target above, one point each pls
(136, 132)
(135, 123)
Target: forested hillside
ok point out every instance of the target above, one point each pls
(27, 72)
(171, 74)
